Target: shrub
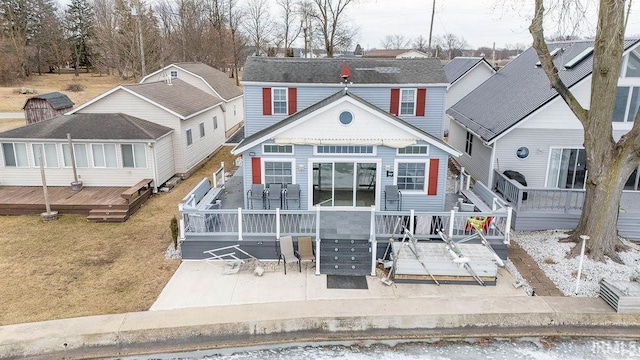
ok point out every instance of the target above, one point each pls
(75, 87)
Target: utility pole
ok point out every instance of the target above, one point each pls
(134, 12)
(433, 12)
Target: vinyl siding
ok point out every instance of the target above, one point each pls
(164, 159)
(467, 83)
(477, 165)
(184, 76)
(234, 114)
(202, 147)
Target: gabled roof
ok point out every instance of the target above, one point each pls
(327, 71)
(218, 81)
(87, 126)
(459, 66)
(179, 98)
(280, 126)
(57, 100)
(519, 89)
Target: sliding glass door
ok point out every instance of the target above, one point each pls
(567, 169)
(346, 184)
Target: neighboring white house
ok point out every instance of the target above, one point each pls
(211, 81)
(465, 74)
(109, 150)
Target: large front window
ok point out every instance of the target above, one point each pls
(49, 155)
(411, 176)
(15, 154)
(279, 101)
(278, 172)
(344, 183)
(79, 154)
(104, 155)
(407, 102)
(134, 155)
(567, 169)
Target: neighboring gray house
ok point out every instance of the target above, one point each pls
(109, 149)
(343, 143)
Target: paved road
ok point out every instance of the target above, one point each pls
(11, 115)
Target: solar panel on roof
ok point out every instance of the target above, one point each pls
(583, 55)
(552, 53)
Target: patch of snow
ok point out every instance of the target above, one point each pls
(550, 254)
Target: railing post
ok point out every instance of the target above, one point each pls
(317, 239)
(507, 226)
(277, 223)
(223, 173)
(373, 240)
(239, 224)
(452, 218)
(468, 184)
(520, 195)
(181, 227)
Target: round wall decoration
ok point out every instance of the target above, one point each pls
(522, 152)
(346, 118)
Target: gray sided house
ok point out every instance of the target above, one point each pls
(109, 150)
(342, 144)
(516, 121)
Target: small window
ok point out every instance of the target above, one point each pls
(468, 147)
(278, 172)
(49, 155)
(104, 155)
(15, 154)
(346, 118)
(174, 74)
(277, 149)
(79, 153)
(215, 123)
(189, 137)
(134, 156)
(411, 176)
(414, 150)
(338, 149)
(279, 101)
(201, 130)
(407, 102)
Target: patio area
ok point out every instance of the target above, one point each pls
(201, 284)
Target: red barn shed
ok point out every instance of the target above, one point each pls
(46, 106)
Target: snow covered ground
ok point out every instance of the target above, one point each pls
(550, 254)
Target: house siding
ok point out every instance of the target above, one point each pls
(164, 159)
(467, 83)
(478, 165)
(182, 75)
(201, 148)
(234, 115)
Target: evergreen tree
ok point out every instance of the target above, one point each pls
(79, 24)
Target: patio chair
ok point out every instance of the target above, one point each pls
(255, 195)
(286, 251)
(274, 193)
(479, 223)
(391, 195)
(305, 251)
(292, 193)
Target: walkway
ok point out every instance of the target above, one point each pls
(530, 271)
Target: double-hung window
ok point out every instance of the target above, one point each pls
(79, 154)
(411, 175)
(278, 172)
(49, 155)
(15, 154)
(279, 97)
(104, 155)
(133, 155)
(468, 145)
(407, 101)
(189, 137)
(202, 133)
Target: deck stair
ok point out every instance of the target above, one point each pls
(345, 257)
(108, 215)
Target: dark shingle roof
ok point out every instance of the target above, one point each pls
(518, 89)
(327, 71)
(56, 99)
(179, 97)
(87, 126)
(322, 103)
(218, 80)
(459, 66)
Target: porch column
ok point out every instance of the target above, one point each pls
(373, 240)
(507, 226)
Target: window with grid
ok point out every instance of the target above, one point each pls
(341, 149)
(104, 155)
(411, 176)
(280, 101)
(407, 101)
(277, 149)
(278, 172)
(414, 150)
(15, 154)
(468, 146)
(174, 74)
(49, 155)
(79, 154)
(134, 155)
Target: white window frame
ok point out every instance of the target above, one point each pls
(414, 154)
(133, 151)
(282, 160)
(426, 163)
(203, 131)
(75, 156)
(374, 153)
(273, 101)
(568, 147)
(44, 155)
(104, 157)
(189, 137)
(264, 152)
(15, 157)
(415, 96)
(468, 144)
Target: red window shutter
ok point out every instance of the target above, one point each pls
(293, 100)
(433, 177)
(256, 171)
(395, 101)
(266, 101)
(421, 102)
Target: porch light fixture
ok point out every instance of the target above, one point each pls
(300, 167)
(252, 154)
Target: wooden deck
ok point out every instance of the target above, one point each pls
(103, 204)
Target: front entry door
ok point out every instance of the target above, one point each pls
(346, 184)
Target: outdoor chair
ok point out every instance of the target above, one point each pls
(479, 223)
(305, 251)
(274, 193)
(255, 195)
(286, 251)
(292, 193)
(392, 195)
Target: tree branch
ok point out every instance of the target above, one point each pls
(539, 44)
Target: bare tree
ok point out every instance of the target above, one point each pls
(451, 45)
(258, 24)
(420, 44)
(336, 32)
(308, 16)
(290, 27)
(238, 41)
(395, 42)
(610, 162)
